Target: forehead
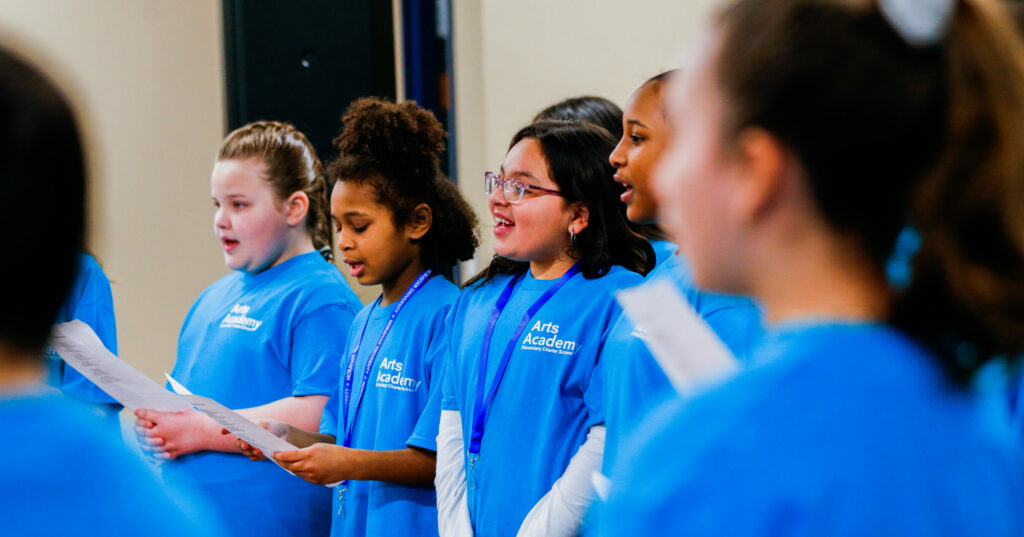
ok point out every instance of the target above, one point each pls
(526, 160)
(645, 104)
(683, 91)
(238, 175)
(357, 196)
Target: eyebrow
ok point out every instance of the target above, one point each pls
(354, 213)
(521, 173)
(636, 122)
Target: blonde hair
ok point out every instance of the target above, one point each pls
(292, 166)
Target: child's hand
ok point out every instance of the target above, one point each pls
(320, 463)
(169, 435)
(278, 428)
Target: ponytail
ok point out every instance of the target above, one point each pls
(893, 132)
(965, 297)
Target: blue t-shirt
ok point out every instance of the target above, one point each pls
(249, 340)
(663, 251)
(634, 383)
(835, 430)
(400, 408)
(549, 396)
(63, 472)
(89, 301)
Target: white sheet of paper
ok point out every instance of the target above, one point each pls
(80, 347)
(602, 485)
(176, 386)
(237, 424)
(682, 343)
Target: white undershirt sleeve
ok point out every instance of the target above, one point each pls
(450, 478)
(560, 512)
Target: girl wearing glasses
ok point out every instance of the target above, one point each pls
(812, 133)
(521, 426)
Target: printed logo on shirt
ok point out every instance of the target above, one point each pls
(544, 337)
(238, 318)
(390, 376)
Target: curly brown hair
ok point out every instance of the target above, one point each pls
(395, 149)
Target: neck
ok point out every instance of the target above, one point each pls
(392, 291)
(300, 244)
(552, 268)
(833, 280)
(18, 368)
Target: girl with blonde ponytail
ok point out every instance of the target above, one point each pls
(266, 338)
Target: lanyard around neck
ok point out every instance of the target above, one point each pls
(350, 369)
(484, 402)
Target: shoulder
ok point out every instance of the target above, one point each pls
(314, 283)
(617, 277)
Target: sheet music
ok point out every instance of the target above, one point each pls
(682, 343)
(80, 347)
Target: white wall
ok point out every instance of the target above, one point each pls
(512, 59)
(147, 79)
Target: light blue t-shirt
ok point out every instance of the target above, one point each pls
(401, 407)
(663, 251)
(835, 430)
(249, 340)
(89, 301)
(64, 472)
(549, 396)
(634, 383)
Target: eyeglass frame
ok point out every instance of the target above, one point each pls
(524, 187)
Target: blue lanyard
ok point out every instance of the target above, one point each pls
(349, 370)
(483, 403)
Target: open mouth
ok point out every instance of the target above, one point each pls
(228, 244)
(502, 225)
(355, 268)
(627, 194)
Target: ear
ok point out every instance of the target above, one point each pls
(295, 208)
(764, 169)
(419, 222)
(580, 218)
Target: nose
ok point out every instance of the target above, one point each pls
(220, 219)
(345, 242)
(618, 156)
(497, 196)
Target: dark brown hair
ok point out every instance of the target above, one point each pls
(43, 183)
(395, 149)
(577, 157)
(892, 135)
(292, 166)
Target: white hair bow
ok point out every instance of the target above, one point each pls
(919, 22)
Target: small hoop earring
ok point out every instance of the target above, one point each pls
(572, 236)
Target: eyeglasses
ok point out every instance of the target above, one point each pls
(512, 188)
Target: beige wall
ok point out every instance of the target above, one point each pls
(512, 59)
(147, 79)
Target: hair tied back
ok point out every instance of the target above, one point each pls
(921, 23)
